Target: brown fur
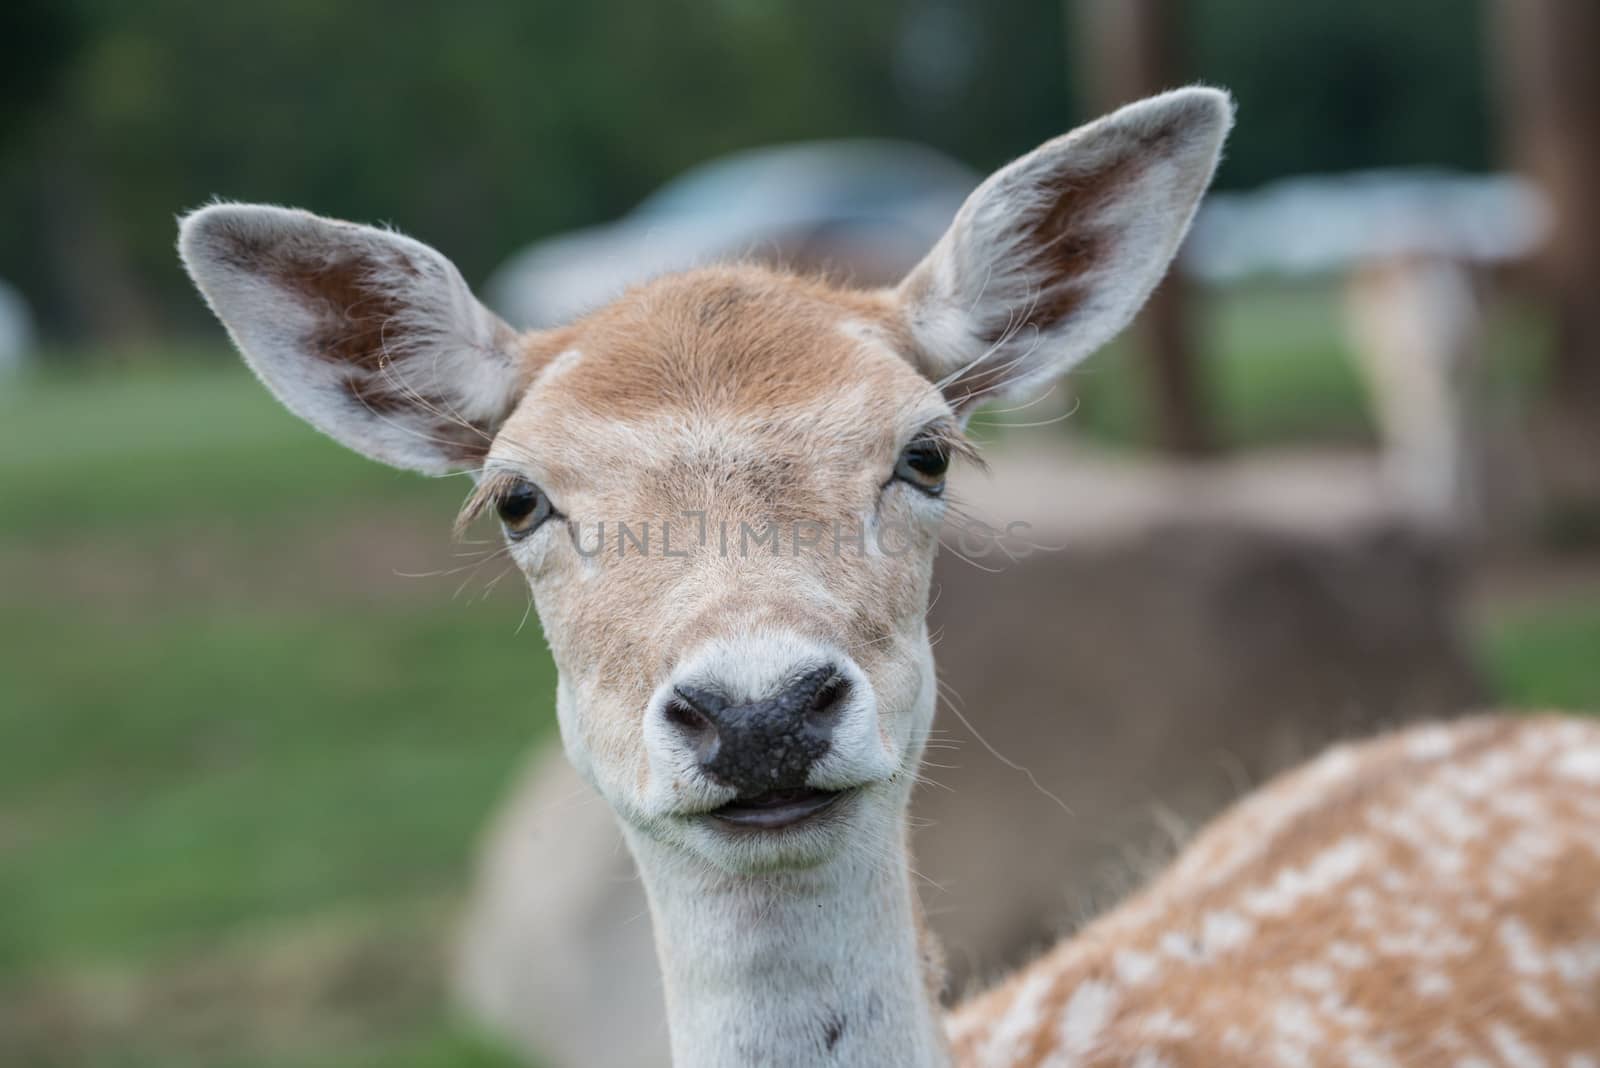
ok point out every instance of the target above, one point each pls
(1058, 246)
(741, 339)
(1240, 955)
(358, 327)
(753, 397)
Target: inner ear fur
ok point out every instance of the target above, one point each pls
(368, 335)
(1052, 255)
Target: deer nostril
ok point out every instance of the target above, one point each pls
(682, 711)
(694, 722)
(823, 709)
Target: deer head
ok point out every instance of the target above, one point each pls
(725, 487)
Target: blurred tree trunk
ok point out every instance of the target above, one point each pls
(1129, 49)
(1549, 86)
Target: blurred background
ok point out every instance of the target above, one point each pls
(256, 709)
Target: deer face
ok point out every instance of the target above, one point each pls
(730, 552)
(725, 488)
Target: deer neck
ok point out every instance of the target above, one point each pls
(822, 966)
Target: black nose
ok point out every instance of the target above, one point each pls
(763, 745)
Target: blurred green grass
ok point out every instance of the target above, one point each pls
(153, 446)
(1547, 657)
(251, 792)
(256, 767)
(1276, 371)
(203, 790)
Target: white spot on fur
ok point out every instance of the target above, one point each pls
(1416, 945)
(1521, 952)
(1537, 1001)
(1148, 1059)
(1181, 947)
(1163, 1025)
(1010, 1037)
(1295, 1021)
(1327, 869)
(1348, 955)
(1430, 743)
(1578, 965)
(1135, 968)
(1349, 1017)
(1288, 1055)
(1361, 1055)
(1431, 984)
(1514, 1050)
(1224, 931)
(1088, 1011)
(1317, 978)
(1581, 764)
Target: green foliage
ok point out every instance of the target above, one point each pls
(478, 125)
(1274, 368)
(484, 124)
(1546, 658)
(1330, 85)
(37, 40)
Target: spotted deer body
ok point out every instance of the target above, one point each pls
(726, 490)
(1427, 898)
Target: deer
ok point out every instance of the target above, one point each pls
(725, 489)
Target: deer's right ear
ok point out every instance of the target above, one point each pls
(1051, 256)
(369, 336)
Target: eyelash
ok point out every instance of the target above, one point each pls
(495, 493)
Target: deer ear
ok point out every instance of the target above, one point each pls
(369, 336)
(1051, 256)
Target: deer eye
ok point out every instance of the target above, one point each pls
(923, 464)
(523, 508)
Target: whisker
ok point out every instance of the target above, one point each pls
(966, 559)
(484, 558)
(1040, 399)
(526, 612)
(1007, 761)
(1062, 418)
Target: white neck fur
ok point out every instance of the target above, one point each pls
(796, 968)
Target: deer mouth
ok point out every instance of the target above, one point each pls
(777, 809)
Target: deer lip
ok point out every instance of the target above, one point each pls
(777, 809)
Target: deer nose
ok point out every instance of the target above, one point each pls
(764, 745)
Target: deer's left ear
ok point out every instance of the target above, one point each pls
(1051, 256)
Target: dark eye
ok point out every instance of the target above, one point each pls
(923, 464)
(522, 507)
